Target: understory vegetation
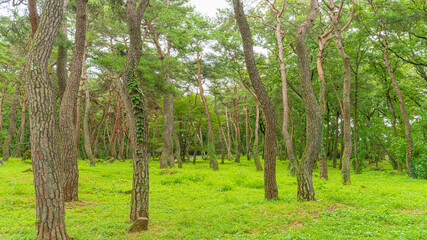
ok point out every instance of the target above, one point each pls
(196, 203)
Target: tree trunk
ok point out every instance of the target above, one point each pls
(78, 121)
(167, 129)
(334, 158)
(50, 214)
(220, 134)
(248, 151)
(21, 133)
(69, 154)
(228, 143)
(409, 164)
(236, 115)
(355, 137)
(270, 149)
(342, 143)
(314, 118)
(11, 131)
(86, 134)
(195, 141)
(178, 148)
(136, 113)
(346, 96)
(34, 17)
(62, 57)
(211, 137)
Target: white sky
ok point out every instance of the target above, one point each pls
(209, 7)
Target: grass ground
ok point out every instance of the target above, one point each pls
(197, 203)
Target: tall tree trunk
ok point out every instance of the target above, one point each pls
(21, 133)
(409, 164)
(69, 168)
(78, 122)
(248, 152)
(346, 95)
(342, 143)
(211, 137)
(314, 118)
(270, 149)
(135, 106)
(355, 137)
(50, 214)
(1, 108)
(11, 131)
(86, 134)
(228, 140)
(236, 115)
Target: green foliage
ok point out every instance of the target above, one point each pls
(196, 203)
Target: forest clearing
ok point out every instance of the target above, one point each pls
(196, 203)
(227, 119)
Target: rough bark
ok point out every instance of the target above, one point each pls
(270, 150)
(136, 113)
(12, 120)
(62, 56)
(211, 136)
(34, 17)
(69, 168)
(314, 118)
(43, 126)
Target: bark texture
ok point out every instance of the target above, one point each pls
(270, 150)
(134, 102)
(314, 118)
(21, 133)
(86, 134)
(69, 168)
(43, 126)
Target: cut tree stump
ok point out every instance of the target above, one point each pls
(141, 224)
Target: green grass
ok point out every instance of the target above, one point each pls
(197, 203)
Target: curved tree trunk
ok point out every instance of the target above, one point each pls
(314, 118)
(346, 96)
(270, 149)
(11, 131)
(69, 168)
(50, 214)
(136, 113)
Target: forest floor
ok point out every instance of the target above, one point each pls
(198, 203)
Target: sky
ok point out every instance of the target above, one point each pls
(209, 7)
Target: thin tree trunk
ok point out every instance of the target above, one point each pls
(178, 148)
(346, 95)
(45, 155)
(211, 137)
(78, 120)
(270, 149)
(314, 118)
(12, 120)
(248, 152)
(228, 143)
(236, 115)
(220, 134)
(21, 133)
(334, 157)
(195, 141)
(62, 57)
(86, 134)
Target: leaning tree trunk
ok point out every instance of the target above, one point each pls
(211, 137)
(86, 134)
(69, 168)
(11, 131)
(50, 214)
(314, 118)
(270, 149)
(21, 134)
(135, 106)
